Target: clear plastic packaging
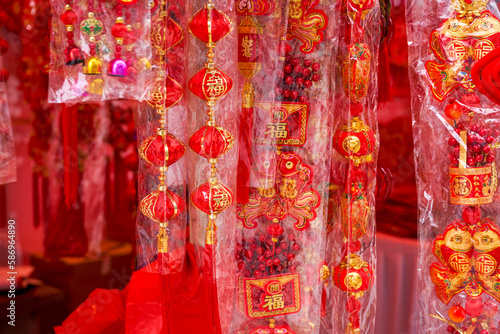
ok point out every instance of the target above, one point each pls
(100, 50)
(354, 169)
(277, 247)
(456, 131)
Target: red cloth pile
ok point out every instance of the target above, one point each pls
(138, 308)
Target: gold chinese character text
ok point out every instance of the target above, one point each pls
(247, 45)
(277, 130)
(274, 302)
(216, 85)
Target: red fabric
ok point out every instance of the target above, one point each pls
(209, 275)
(70, 139)
(245, 156)
(138, 308)
(384, 76)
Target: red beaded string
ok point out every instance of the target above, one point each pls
(117, 67)
(92, 45)
(73, 55)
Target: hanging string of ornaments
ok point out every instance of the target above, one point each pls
(467, 249)
(162, 149)
(211, 141)
(355, 141)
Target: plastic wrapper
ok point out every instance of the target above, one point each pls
(8, 171)
(100, 50)
(161, 226)
(151, 142)
(265, 189)
(356, 144)
(456, 131)
(78, 228)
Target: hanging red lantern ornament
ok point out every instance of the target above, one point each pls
(162, 206)
(212, 198)
(118, 67)
(220, 24)
(211, 142)
(124, 38)
(162, 150)
(353, 275)
(355, 141)
(210, 84)
(166, 92)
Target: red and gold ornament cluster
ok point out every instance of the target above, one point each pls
(123, 64)
(211, 141)
(467, 250)
(356, 142)
(162, 149)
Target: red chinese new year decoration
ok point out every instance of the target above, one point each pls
(162, 150)
(211, 142)
(220, 25)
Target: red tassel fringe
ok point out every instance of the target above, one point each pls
(70, 140)
(245, 156)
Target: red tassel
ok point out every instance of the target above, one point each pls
(209, 275)
(36, 199)
(165, 277)
(44, 207)
(245, 156)
(323, 301)
(70, 140)
(384, 76)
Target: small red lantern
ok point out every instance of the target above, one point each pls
(210, 84)
(159, 151)
(212, 198)
(220, 25)
(356, 141)
(353, 275)
(165, 93)
(211, 142)
(162, 206)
